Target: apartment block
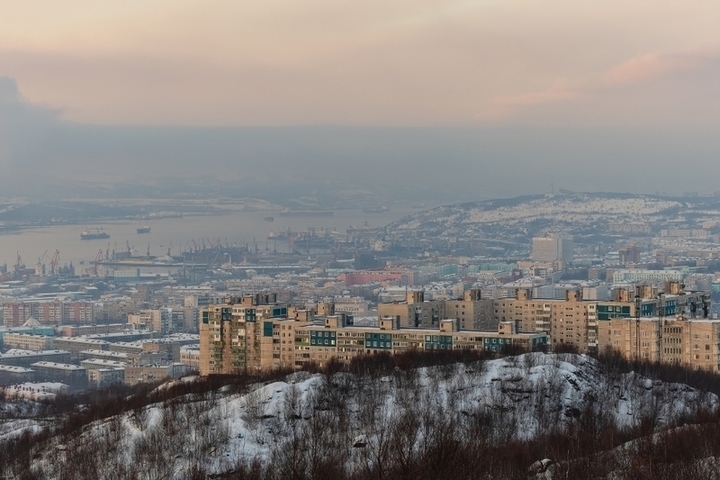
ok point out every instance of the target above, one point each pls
(553, 248)
(575, 321)
(319, 343)
(692, 343)
(24, 341)
(75, 345)
(190, 356)
(11, 374)
(415, 312)
(473, 312)
(145, 374)
(230, 334)
(158, 320)
(72, 375)
(105, 377)
(25, 358)
(52, 312)
(78, 331)
(245, 336)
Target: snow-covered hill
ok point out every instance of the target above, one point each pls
(560, 212)
(358, 422)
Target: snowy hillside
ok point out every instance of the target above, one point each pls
(533, 215)
(357, 422)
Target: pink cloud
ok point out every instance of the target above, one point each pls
(654, 65)
(638, 68)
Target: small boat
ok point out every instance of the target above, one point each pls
(269, 219)
(143, 229)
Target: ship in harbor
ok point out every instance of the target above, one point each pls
(312, 239)
(306, 213)
(143, 229)
(280, 235)
(96, 235)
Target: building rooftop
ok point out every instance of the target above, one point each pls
(103, 363)
(16, 352)
(14, 369)
(86, 340)
(58, 366)
(104, 353)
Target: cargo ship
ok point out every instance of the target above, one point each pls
(306, 213)
(280, 235)
(143, 229)
(97, 235)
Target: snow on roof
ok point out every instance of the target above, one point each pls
(32, 322)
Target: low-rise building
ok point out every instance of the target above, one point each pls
(36, 390)
(190, 356)
(153, 373)
(105, 377)
(25, 341)
(75, 345)
(104, 354)
(25, 358)
(72, 375)
(10, 374)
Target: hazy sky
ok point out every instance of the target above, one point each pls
(400, 62)
(562, 90)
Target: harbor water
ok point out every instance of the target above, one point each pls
(174, 234)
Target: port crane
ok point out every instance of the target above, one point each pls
(19, 265)
(55, 263)
(98, 261)
(40, 266)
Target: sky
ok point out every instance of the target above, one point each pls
(492, 88)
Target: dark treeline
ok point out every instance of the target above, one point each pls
(345, 431)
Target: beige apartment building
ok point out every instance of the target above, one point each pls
(414, 311)
(230, 334)
(257, 333)
(318, 344)
(251, 335)
(575, 322)
(693, 343)
(25, 341)
(472, 311)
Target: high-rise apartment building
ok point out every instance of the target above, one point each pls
(690, 342)
(552, 249)
(48, 312)
(231, 334)
(575, 321)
